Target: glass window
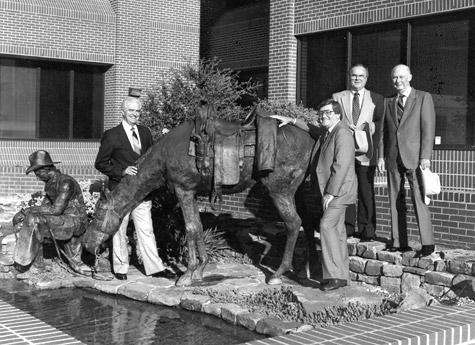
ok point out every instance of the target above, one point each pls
(50, 100)
(440, 64)
(379, 50)
(18, 100)
(440, 51)
(324, 70)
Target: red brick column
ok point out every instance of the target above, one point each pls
(282, 51)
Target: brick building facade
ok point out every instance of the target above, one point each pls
(293, 24)
(132, 43)
(135, 43)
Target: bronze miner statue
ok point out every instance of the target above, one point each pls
(61, 218)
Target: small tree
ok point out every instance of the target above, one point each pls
(174, 100)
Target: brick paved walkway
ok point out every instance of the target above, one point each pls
(438, 325)
(20, 328)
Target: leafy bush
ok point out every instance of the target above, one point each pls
(290, 109)
(174, 100)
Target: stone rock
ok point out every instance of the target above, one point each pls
(213, 308)
(248, 320)
(374, 267)
(373, 280)
(168, 297)
(415, 299)
(392, 258)
(410, 259)
(459, 267)
(440, 266)
(415, 270)
(439, 278)
(427, 261)
(392, 270)
(230, 311)
(391, 284)
(409, 282)
(136, 291)
(275, 327)
(357, 264)
(371, 249)
(6, 259)
(194, 302)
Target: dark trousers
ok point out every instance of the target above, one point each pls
(366, 203)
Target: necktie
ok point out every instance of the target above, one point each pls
(356, 108)
(400, 107)
(135, 142)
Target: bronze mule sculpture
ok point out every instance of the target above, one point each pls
(168, 164)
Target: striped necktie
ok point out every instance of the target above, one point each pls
(400, 107)
(135, 142)
(356, 108)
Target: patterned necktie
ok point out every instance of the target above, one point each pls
(135, 141)
(356, 108)
(400, 107)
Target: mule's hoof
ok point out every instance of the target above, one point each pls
(274, 281)
(183, 282)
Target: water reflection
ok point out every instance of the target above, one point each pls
(96, 318)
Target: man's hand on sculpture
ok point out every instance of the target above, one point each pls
(284, 120)
(131, 170)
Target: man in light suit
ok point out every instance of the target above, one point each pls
(362, 107)
(337, 186)
(120, 147)
(405, 147)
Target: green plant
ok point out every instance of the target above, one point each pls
(290, 109)
(174, 100)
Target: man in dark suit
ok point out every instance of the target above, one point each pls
(337, 186)
(120, 147)
(405, 147)
(361, 108)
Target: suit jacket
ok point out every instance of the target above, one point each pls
(335, 168)
(413, 137)
(116, 153)
(372, 110)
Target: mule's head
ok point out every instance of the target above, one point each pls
(106, 222)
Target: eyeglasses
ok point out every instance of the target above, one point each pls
(358, 76)
(327, 113)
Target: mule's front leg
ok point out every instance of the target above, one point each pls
(286, 206)
(194, 238)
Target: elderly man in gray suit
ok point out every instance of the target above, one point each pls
(405, 147)
(362, 107)
(337, 186)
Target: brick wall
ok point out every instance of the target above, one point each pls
(282, 51)
(139, 40)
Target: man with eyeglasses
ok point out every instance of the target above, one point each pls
(334, 170)
(362, 107)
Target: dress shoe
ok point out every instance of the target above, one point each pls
(365, 238)
(164, 274)
(399, 249)
(121, 276)
(334, 284)
(427, 249)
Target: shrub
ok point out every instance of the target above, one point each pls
(174, 100)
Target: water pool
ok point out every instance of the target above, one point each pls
(101, 319)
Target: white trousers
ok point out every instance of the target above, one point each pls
(142, 217)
